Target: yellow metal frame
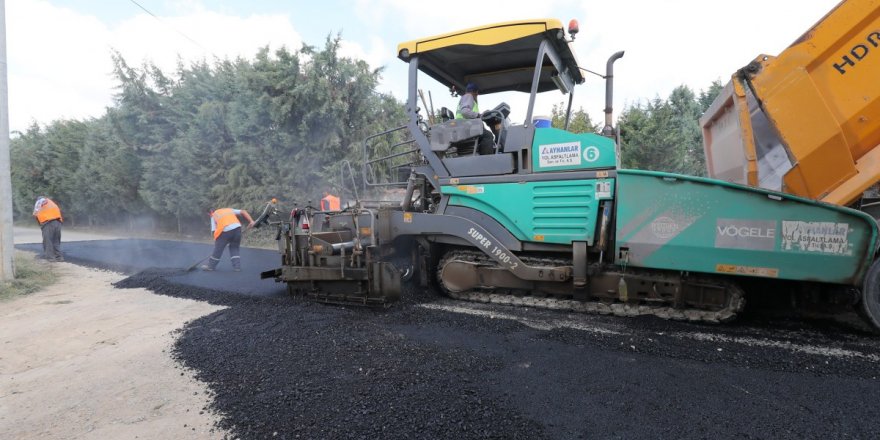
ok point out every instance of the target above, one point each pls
(748, 137)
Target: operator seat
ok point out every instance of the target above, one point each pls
(497, 120)
(456, 143)
(446, 114)
(460, 134)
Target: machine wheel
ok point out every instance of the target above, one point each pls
(870, 307)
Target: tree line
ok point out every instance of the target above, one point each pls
(232, 133)
(658, 135)
(238, 132)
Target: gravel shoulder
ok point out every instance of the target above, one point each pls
(82, 359)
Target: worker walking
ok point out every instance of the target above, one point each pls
(329, 202)
(227, 232)
(48, 215)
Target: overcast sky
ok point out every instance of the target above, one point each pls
(59, 62)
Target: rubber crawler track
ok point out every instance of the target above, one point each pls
(735, 303)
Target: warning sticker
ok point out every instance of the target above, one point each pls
(471, 189)
(768, 272)
(558, 155)
(603, 190)
(817, 237)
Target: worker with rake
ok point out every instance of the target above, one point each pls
(227, 232)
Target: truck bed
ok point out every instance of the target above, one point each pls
(806, 122)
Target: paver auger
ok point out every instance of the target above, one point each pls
(550, 219)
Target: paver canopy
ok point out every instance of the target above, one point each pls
(498, 57)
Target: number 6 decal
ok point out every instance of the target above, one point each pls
(591, 154)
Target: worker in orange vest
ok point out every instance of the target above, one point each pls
(227, 232)
(48, 215)
(329, 202)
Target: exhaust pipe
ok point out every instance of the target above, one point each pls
(608, 129)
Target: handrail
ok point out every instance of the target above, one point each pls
(347, 164)
(383, 153)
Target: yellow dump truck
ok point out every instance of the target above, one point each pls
(806, 122)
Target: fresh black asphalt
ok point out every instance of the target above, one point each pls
(430, 367)
(172, 258)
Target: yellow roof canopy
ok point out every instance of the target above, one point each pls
(497, 57)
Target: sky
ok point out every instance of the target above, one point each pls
(59, 51)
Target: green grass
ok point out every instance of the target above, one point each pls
(31, 275)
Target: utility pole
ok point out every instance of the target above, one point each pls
(7, 269)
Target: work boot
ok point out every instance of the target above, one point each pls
(206, 268)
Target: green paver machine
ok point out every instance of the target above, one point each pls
(548, 219)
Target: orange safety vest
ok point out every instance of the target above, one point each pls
(330, 203)
(224, 217)
(48, 212)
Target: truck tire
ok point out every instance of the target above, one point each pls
(870, 304)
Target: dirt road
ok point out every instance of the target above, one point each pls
(82, 359)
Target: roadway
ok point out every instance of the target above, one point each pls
(431, 367)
